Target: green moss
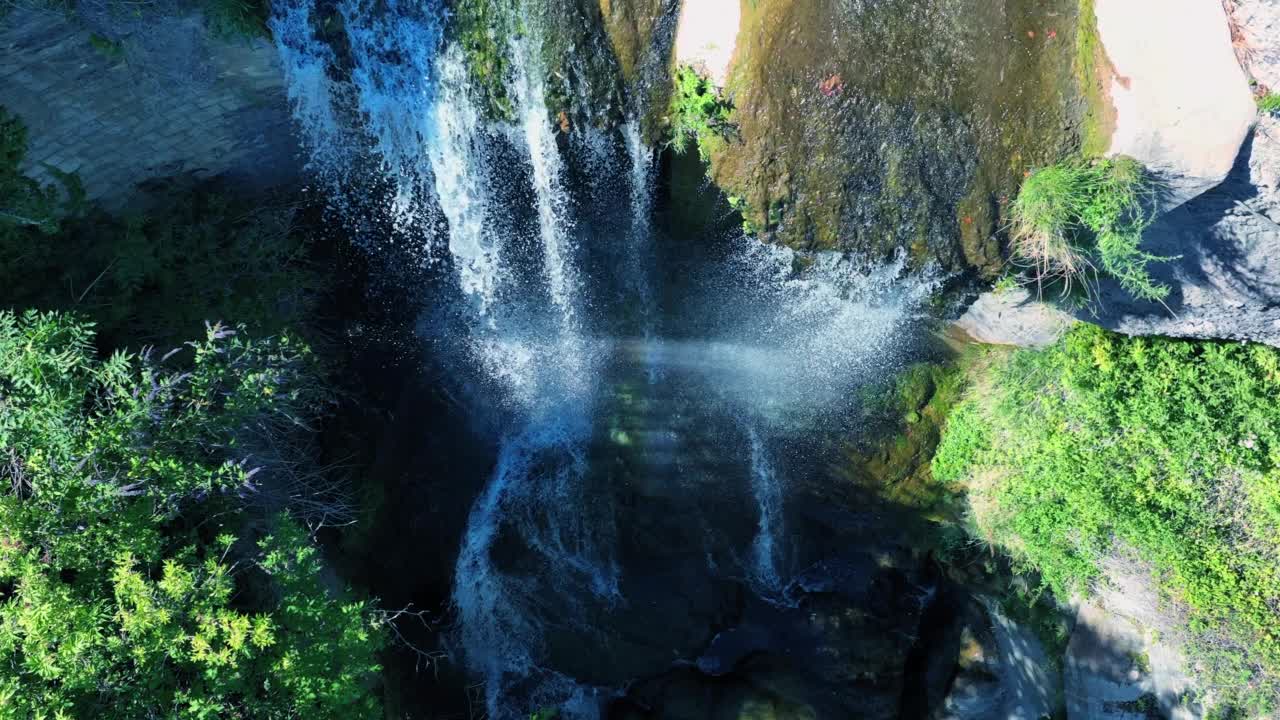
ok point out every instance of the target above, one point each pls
(897, 467)
(482, 28)
(1093, 74)
(111, 50)
(855, 154)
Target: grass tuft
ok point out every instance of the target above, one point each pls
(1079, 218)
(1269, 104)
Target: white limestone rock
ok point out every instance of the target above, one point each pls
(1013, 317)
(1182, 102)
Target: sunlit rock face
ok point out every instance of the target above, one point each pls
(708, 36)
(1182, 104)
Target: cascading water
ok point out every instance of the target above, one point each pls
(544, 158)
(624, 426)
(768, 491)
(459, 166)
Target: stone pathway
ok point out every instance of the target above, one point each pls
(197, 105)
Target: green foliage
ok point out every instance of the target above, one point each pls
(25, 204)
(1092, 77)
(1080, 217)
(231, 19)
(1169, 448)
(481, 28)
(124, 592)
(1269, 104)
(151, 275)
(698, 111)
(897, 466)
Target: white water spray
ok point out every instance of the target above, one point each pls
(552, 201)
(459, 165)
(305, 62)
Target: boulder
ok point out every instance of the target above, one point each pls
(1125, 658)
(1259, 24)
(1225, 271)
(707, 35)
(1182, 102)
(1013, 317)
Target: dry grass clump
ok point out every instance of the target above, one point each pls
(1079, 218)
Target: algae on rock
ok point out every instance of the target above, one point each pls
(859, 131)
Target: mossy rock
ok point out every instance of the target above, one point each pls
(886, 134)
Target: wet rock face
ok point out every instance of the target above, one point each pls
(842, 652)
(630, 25)
(856, 130)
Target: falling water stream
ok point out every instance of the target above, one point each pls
(680, 393)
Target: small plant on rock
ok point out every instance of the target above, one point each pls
(1269, 104)
(698, 111)
(1081, 217)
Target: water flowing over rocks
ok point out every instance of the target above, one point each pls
(655, 516)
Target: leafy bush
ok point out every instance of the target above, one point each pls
(1270, 103)
(1170, 448)
(698, 111)
(124, 592)
(1080, 217)
(236, 18)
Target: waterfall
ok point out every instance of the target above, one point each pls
(641, 156)
(758, 345)
(305, 62)
(544, 157)
(768, 491)
(459, 167)
(393, 47)
(639, 248)
(537, 493)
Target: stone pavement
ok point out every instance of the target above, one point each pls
(174, 101)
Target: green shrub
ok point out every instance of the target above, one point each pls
(111, 50)
(231, 19)
(1270, 103)
(1170, 448)
(698, 111)
(1080, 217)
(124, 592)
